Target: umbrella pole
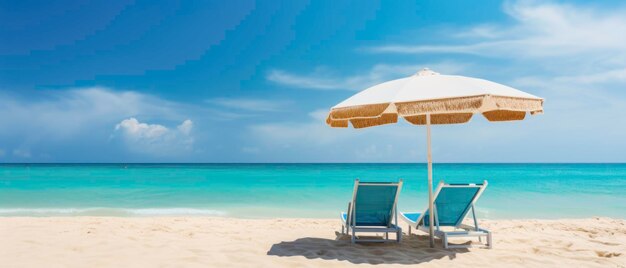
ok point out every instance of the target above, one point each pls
(431, 219)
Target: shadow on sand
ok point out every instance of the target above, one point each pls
(414, 249)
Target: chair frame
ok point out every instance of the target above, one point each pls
(349, 224)
(461, 230)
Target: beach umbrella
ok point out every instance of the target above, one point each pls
(429, 98)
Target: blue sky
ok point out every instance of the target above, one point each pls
(215, 81)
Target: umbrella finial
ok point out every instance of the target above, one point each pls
(425, 72)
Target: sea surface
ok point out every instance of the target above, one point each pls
(543, 191)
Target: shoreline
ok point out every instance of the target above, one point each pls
(283, 242)
(216, 214)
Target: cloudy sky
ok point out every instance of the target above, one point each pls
(213, 81)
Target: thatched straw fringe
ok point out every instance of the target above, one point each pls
(443, 111)
(336, 123)
(370, 122)
(504, 115)
(372, 110)
(471, 104)
(440, 119)
(465, 104)
(339, 123)
(516, 104)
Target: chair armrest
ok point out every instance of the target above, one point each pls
(349, 214)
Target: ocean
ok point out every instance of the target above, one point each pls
(541, 191)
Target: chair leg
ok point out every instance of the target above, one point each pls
(387, 236)
(409, 229)
(489, 241)
(399, 236)
(342, 229)
(445, 241)
(353, 238)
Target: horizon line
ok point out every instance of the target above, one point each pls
(294, 163)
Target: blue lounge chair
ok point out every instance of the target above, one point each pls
(452, 203)
(373, 209)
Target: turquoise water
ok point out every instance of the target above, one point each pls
(301, 190)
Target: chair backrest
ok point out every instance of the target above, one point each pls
(453, 202)
(374, 203)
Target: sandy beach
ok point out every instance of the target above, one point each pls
(231, 242)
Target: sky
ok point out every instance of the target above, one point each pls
(246, 81)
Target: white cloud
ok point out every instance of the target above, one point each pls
(132, 128)
(584, 38)
(312, 130)
(248, 104)
(62, 114)
(155, 138)
(318, 81)
(540, 29)
(608, 76)
(310, 138)
(325, 79)
(185, 127)
(58, 118)
(319, 114)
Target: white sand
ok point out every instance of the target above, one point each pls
(228, 242)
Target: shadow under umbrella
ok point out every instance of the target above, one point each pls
(413, 249)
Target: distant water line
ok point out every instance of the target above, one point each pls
(300, 190)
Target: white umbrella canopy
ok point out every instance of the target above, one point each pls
(449, 99)
(427, 98)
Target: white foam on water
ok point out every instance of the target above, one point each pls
(176, 212)
(102, 211)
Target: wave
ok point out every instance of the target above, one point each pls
(103, 211)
